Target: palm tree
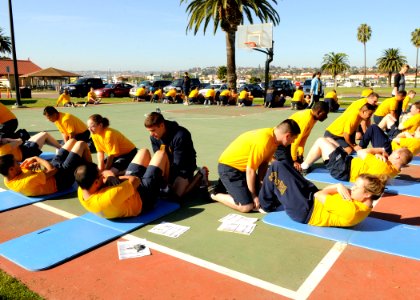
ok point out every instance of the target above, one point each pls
(363, 35)
(415, 39)
(228, 14)
(5, 44)
(391, 61)
(335, 63)
(221, 72)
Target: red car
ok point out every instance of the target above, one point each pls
(114, 90)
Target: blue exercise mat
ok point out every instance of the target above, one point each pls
(60, 242)
(415, 161)
(374, 234)
(394, 186)
(10, 200)
(47, 155)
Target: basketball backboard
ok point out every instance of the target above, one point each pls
(255, 36)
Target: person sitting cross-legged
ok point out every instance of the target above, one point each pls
(124, 196)
(36, 176)
(334, 205)
(344, 167)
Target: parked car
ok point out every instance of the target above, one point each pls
(177, 83)
(282, 86)
(307, 87)
(218, 87)
(254, 88)
(150, 86)
(114, 90)
(82, 86)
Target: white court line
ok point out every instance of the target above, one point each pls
(304, 291)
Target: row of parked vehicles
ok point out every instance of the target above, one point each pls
(82, 86)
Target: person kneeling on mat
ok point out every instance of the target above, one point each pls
(36, 176)
(334, 205)
(128, 195)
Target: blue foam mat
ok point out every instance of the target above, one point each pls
(60, 242)
(394, 186)
(415, 161)
(374, 234)
(10, 200)
(47, 155)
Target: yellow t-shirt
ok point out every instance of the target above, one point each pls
(113, 202)
(386, 107)
(370, 165)
(356, 106)
(298, 96)
(171, 93)
(243, 95)
(68, 124)
(210, 93)
(225, 93)
(411, 124)
(63, 98)
(31, 183)
(406, 101)
(412, 144)
(346, 123)
(8, 149)
(140, 92)
(158, 92)
(193, 94)
(366, 93)
(5, 114)
(338, 212)
(91, 95)
(251, 149)
(331, 94)
(306, 122)
(112, 142)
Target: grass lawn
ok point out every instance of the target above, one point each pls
(10, 288)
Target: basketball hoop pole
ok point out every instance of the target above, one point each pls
(270, 55)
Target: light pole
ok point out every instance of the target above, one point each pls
(16, 73)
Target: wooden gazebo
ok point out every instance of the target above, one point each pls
(50, 77)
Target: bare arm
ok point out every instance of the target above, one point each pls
(251, 178)
(109, 161)
(37, 162)
(332, 189)
(12, 142)
(363, 152)
(101, 164)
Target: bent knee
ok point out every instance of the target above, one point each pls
(246, 208)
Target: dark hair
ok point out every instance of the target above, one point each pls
(289, 125)
(368, 106)
(153, 119)
(417, 104)
(98, 119)
(373, 94)
(85, 175)
(300, 87)
(49, 111)
(402, 93)
(321, 106)
(6, 162)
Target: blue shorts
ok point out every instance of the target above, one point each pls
(66, 163)
(339, 164)
(235, 184)
(339, 139)
(121, 162)
(150, 181)
(29, 149)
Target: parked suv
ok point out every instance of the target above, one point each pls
(82, 86)
(177, 83)
(282, 86)
(307, 87)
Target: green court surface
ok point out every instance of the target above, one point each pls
(280, 257)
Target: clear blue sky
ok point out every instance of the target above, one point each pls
(150, 35)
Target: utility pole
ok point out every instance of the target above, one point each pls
(15, 66)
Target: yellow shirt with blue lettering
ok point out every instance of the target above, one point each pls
(112, 142)
(371, 165)
(32, 183)
(250, 149)
(68, 124)
(338, 212)
(306, 122)
(118, 201)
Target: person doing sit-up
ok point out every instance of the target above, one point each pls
(344, 167)
(126, 196)
(36, 176)
(334, 205)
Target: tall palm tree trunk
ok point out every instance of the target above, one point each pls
(417, 65)
(231, 62)
(389, 78)
(364, 77)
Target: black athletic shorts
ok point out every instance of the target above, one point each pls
(339, 164)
